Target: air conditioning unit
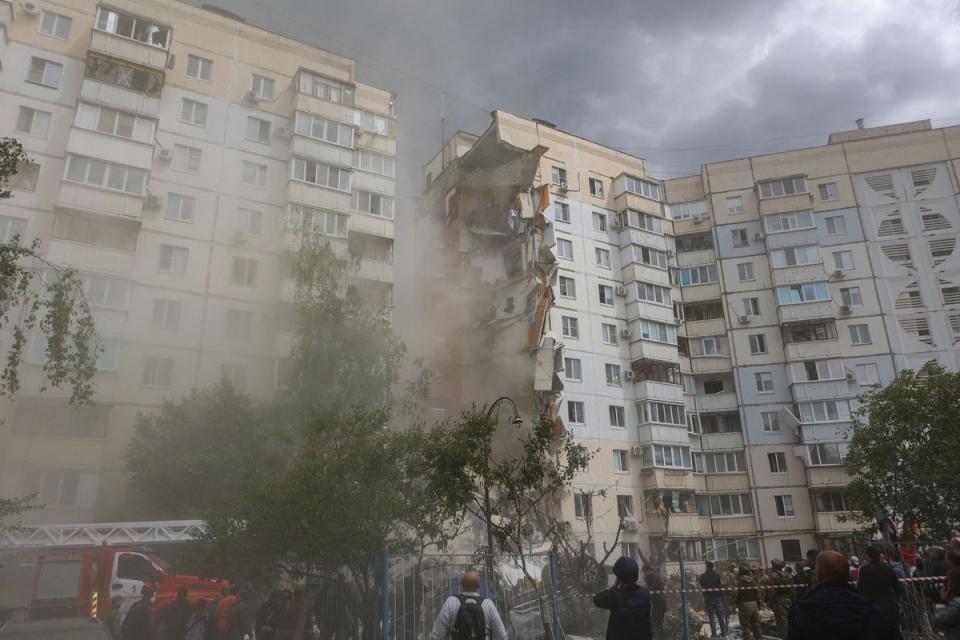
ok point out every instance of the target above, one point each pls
(637, 450)
(153, 202)
(629, 524)
(758, 235)
(628, 374)
(617, 222)
(625, 333)
(164, 155)
(564, 186)
(283, 132)
(744, 319)
(621, 290)
(838, 273)
(846, 310)
(30, 9)
(849, 375)
(252, 97)
(800, 451)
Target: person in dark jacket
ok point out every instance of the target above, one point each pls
(239, 618)
(658, 599)
(136, 625)
(833, 610)
(627, 602)
(173, 618)
(878, 583)
(713, 601)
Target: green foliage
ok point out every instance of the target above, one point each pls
(11, 157)
(903, 451)
(12, 507)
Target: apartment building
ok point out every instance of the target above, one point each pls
(177, 154)
(706, 336)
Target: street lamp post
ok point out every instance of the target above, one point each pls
(516, 421)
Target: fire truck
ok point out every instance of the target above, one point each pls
(79, 570)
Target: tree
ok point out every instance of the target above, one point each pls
(903, 451)
(11, 507)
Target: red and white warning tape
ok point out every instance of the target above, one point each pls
(772, 587)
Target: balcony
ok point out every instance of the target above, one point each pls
(376, 142)
(375, 270)
(628, 200)
(120, 98)
(700, 328)
(129, 49)
(293, 240)
(372, 182)
(650, 390)
(89, 258)
(323, 108)
(649, 311)
(714, 402)
(812, 350)
(721, 441)
(734, 524)
(649, 350)
(710, 364)
(325, 152)
(798, 275)
(791, 238)
(667, 478)
(111, 203)
(316, 196)
(135, 154)
(835, 476)
(822, 390)
(638, 271)
(629, 235)
(692, 225)
(783, 204)
(806, 311)
(701, 292)
(680, 524)
(694, 258)
(371, 224)
(833, 522)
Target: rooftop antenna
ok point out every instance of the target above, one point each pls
(859, 123)
(443, 131)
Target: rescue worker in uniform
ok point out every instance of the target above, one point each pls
(748, 605)
(779, 597)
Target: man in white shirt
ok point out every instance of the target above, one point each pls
(451, 625)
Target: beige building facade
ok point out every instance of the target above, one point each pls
(707, 337)
(177, 155)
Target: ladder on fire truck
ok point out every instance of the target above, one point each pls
(97, 534)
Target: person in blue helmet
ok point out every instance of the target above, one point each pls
(627, 602)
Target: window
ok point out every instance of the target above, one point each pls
(813, 370)
(329, 90)
(770, 422)
(605, 294)
(629, 549)
(173, 259)
(157, 372)
(575, 412)
(836, 225)
(613, 374)
(180, 207)
(709, 346)
(694, 242)
(641, 187)
(784, 506)
(811, 332)
(662, 413)
(608, 333)
(373, 162)
(564, 249)
(735, 204)
(735, 504)
(687, 210)
(249, 222)
(11, 228)
(740, 238)
(652, 257)
(34, 122)
(658, 332)
(561, 212)
(101, 291)
(795, 256)
(596, 187)
(571, 327)
(115, 123)
(698, 275)
(778, 462)
(262, 87)
(653, 293)
(758, 343)
(128, 26)
(726, 462)
(625, 507)
(186, 158)
(27, 176)
(371, 122)
(323, 175)
(764, 381)
(254, 174)
(824, 411)
(712, 386)
(621, 460)
(373, 203)
(568, 287)
(831, 501)
(599, 221)
(618, 416)
(828, 191)
(166, 314)
(751, 307)
(238, 324)
(859, 334)
(843, 260)
(108, 175)
(789, 221)
(124, 75)
(55, 25)
(572, 369)
(868, 373)
(603, 258)
(234, 374)
(193, 112)
(643, 221)
(199, 68)
(258, 129)
(782, 187)
(827, 453)
(800, 293)
(745, 271)
(667, 456)
(657, 371)
(244, 272)
(337, 133)
(791, 551)
(583, 506)
(45, 72)
(558, 175)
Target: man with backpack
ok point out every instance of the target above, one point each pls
(628, 603)
(468, 615)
